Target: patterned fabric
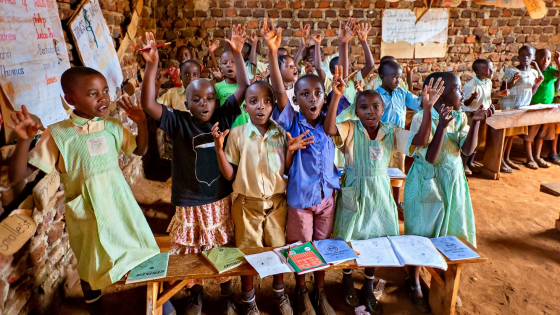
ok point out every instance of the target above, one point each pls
(520, 93)
(108, 232)
(395, 105)
(366, 208)
(437, 201)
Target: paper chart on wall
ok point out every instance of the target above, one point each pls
(33, 55)
(95, 44)
(401, 26)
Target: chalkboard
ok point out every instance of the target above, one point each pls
(94, 43)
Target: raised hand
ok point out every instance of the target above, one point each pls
(317, 37)
(299, 142)
(254, 38)
(410, 65)
(516, 77)
(219, 137)
(237, 38)
(445, 116)
(23, 125)
(308, 67)
(363, 31)
(151, 55)
(305, 31)
(347, 31)
(503, 93)
(474, 96)
(482, 114)
(431, 93)
(557, 57)
(338, 84)
(134, 112)
(212, 46)
(216, 74)
(272, 38)
(359, 85)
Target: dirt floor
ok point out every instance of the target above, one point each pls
(515, 230)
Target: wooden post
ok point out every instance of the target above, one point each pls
(151, 299)
(493, 153)
(443, 296)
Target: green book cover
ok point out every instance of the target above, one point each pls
(305, 258)
(224, 258)
(153, 268)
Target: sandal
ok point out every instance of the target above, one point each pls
(512, 165)
(542, 163)
(504, 168)
(554, 158)
(420, 304)
(532, 165)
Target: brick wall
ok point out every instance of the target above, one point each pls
(474, 30)
(35, 279)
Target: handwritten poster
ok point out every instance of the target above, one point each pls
(95, 44)
(401, 25)
(33, 56)
(15, 231)
(510, 4)
(537, 8)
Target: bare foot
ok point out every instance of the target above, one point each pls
(505, 168)
(512, 165)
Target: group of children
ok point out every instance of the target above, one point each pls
(270, 178)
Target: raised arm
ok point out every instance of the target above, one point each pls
(338, 87)
(273, 40)
(430, 95)
(539, 79)
(363, 31)
(305, 31)
(137, 115)
(226, 168)
(253, 54)
(26, 129)
(236, 43)
(557, 72)
(409, 68)
(471, 141)
(212, 46)
(148, 96)
(434, 148)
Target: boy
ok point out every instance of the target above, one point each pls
(395, 101)
(175, 97)
(313, 178)
(375, 83)
(183, 54)
(289, 73)
(108, 232)
(252, 65)
(478, 92)
(254, 157)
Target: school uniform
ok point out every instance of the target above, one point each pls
(107, 230)
(520, 94)
(260, 209)
(225, 90)
(484, 89)
(174, 98)
(313, 179)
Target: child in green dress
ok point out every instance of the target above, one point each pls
(366, 209)
(436, 195)
(108, 232)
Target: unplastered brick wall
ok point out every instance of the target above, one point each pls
(36, 278)
(474, 30)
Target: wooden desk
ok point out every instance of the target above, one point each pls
(181, 268)
(496, 133)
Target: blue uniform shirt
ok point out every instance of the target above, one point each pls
(395, 105)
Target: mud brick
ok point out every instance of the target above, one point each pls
(330, 13)
(258, 14)
(281, 5)
(324, 4)
(287, 14)
(309, 4)
(273, 14)
(316, 14)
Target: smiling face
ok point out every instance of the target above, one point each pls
(201, 99)
(288, 70)
(310, 96)
(227, 65)
(90, 96)
(543, 59)
(259, 103)
(525, 56)
(390, 78)
(369, 108)
(189, 72)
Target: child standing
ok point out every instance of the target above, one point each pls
(395, 101)
(108, 232)
(200, 194)
(523, 82)
(365, 209)
(436, 196)
(175, 97)
(183, 54)
(313, 178)
(289, 73)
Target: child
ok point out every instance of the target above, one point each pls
(255, 156)
(175, 97)
(522, 81)
(365, 209)
(478, 91)
(395, 101)
(199, 192)
(543, 95)
(108, 232)
(436, 196)
(289, 73)
(313, 177)
(375, 83)
(183, 54)
(252, 65)
(553, 156)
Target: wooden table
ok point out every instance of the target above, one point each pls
(496, 133)
(181, 268)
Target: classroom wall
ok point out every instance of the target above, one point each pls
(36, 278)
(474, 31)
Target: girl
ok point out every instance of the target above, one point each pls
(366, 209)
(200, 194)
(436, 195)
(522, 82)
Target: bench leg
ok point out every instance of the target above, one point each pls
(443, 293)
(493, 153)
(151, 299)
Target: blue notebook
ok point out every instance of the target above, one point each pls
(153, 268)
(453, 248)
(335, 250)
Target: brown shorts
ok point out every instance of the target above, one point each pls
(541, 132)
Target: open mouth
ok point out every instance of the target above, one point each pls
(102, 108)
(230, 71)
(261, 115)
(205, 112)
(313, 109)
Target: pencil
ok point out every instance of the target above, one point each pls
(158, 46)
(288, 254)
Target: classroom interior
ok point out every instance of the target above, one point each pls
(518, 227)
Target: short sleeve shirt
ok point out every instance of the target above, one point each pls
(195, 174)
(224, 90)
(547, 89)
(521, 93)
(395, 105)
(484, 89)
(174, 98)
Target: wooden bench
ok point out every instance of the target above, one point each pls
(496, 133)
(181, 268)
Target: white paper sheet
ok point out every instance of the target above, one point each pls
(401, 25)
(375, 252)
(267, 264)
(538, 106)
(417, 251)
(394, 172)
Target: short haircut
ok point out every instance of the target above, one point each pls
(540, 52)
(224, 53)
(284, 49)
(184, 47)
(387, 58)
(71, 77)
(246, 48)
(333, 63)
(196, 84)
(307, 77)
(282, 59)
(267, 86)
(387, 66)
(479, 63)
(445, 76)
(190, 62)
(529, 48)
(366, 93)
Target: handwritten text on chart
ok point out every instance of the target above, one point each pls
(4, 54)
(401, 25)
